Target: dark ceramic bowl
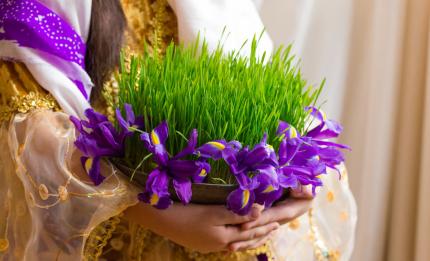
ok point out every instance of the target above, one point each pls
(204, 193)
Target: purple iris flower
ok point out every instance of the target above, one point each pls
(170, 168)
(326, 128)
(328, 153)
(263, 187)
(287, 131)
(294, 168)
(97, 138)
(218, 149)
(157, 190)
(302, 159)
(131, 123)
(240, 200)
(205, 169)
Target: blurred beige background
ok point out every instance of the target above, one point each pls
(375, 55)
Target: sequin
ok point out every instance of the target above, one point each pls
(344, 216)
(63, 193)
(117, 244)
(4, 244)
(330, 196)
(43, 192)
(294, 224)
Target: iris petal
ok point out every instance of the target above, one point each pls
(201, 175)
(212, 149)
(217, 145)
(95, 117)
(240, 201)
(161, 132)
(121, 121)
(183, 168)
(183, 189)
(191, 145)
(129, 113)
(156, 192)
(92, 168)
(154, 138)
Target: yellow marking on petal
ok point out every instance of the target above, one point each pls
(203, 173)
(88, 164)
(154, 138)
(217, 145)
(245, 199)
(293, 133)
(319, 176)
(154, 199)
(317, 157)
(269, 189)
(324, 115)
(270, 147)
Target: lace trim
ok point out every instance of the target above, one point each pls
(99, 238)
(231, 256)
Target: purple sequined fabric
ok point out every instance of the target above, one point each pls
(31, 24)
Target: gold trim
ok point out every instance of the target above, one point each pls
(99, 238)
(27, 103)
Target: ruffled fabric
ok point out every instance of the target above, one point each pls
(50, 207)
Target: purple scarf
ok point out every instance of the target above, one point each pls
(31, 24)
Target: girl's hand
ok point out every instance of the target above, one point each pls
(202, 227)
(297, 204)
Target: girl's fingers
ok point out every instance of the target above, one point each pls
(282, 213)
(261, 242)
(250, 244)
(251, 234)
(224, 216)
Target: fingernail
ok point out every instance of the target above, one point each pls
(246, 227)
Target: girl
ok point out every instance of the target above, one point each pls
(58, 58)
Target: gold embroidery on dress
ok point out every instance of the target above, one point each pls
(20, 93)
(150, 22)
(99, 237)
